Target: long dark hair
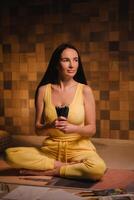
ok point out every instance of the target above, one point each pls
(51, 75)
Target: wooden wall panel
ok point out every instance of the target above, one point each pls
(103, 31)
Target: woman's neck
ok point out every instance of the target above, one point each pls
(64, 85)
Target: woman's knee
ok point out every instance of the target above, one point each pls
(8, 152)
(96, 171)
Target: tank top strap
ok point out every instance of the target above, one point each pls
(47, 96)
(79, 93)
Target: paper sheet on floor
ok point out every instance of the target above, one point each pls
(39, 193)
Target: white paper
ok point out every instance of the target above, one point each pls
(59, 195)
(39, 193)
(26, 193)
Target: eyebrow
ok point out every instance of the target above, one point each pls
(68, 57)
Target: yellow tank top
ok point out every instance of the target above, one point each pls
(76, 111)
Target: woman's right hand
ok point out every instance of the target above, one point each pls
(59, 122)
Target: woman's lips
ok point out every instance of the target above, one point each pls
(70, 71)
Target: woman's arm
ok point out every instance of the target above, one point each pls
(40, 126)
(39, 108)
(89, 128)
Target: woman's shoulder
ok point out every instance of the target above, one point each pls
(42, 88)
(87, 90)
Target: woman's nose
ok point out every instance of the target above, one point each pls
(70, 64)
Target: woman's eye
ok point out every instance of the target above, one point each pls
(65, 60)
(68, 60)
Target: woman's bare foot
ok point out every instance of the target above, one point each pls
(52, 172)
(60, 164)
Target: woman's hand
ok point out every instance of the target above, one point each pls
(62, 124)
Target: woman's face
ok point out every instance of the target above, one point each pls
(68, 63)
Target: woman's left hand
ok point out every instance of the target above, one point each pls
(63, 125)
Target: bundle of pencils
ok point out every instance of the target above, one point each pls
(105, 192)
(62, 111)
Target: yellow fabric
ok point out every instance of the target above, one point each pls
(28, 158)
(75, 115)
(88, 163)
(61, 146)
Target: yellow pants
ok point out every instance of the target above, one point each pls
(88, 164)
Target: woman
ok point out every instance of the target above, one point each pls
(67, 151)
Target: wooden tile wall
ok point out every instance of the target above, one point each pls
(103, 31)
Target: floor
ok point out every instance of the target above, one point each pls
(118, 154)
